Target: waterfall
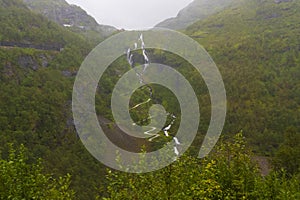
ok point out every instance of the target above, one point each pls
(130, 60)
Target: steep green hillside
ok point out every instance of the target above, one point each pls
(257, 48)
(197, 10)
(35, 102)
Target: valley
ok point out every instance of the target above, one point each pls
(256, 46)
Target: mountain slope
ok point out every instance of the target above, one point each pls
(257, 48)
(70, 16)
(197, 10)
(20, 25)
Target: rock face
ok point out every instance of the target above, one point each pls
(282, 1)
(68, 15)
(28, 62)
(68, 73)
(197, 10)
(34, 62)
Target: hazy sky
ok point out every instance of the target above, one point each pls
(131, 14)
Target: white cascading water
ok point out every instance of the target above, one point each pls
(166, 130)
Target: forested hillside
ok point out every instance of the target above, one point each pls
(35, 101)
(256, 46)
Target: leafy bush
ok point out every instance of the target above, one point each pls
(21, 180)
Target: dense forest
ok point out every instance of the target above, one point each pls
(256, 46)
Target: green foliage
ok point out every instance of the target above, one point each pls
(229, 173)
(288, 155)
(277, 185)
(20, 180)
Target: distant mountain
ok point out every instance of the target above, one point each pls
(197, 10)
(70, 16)
(24, 28)
(7, 4)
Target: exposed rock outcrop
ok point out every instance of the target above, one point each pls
(282, 1)
(27, 61)
(34, 62)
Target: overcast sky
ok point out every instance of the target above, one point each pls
(131, 14)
